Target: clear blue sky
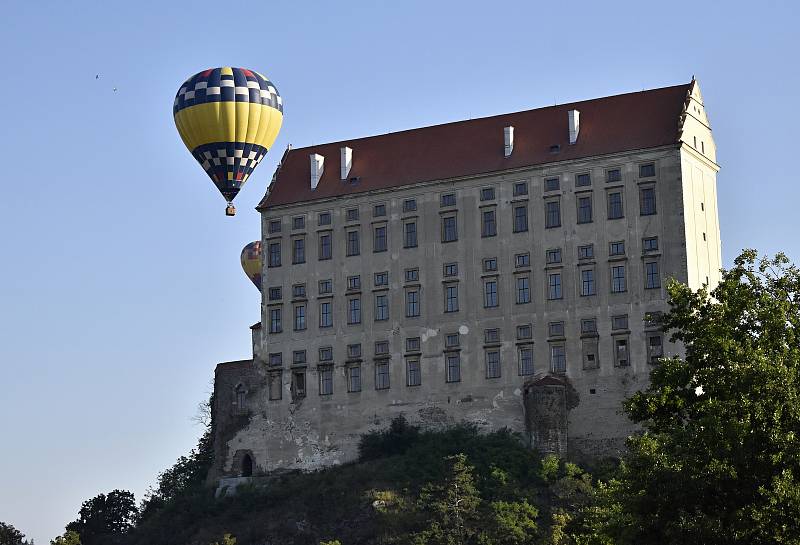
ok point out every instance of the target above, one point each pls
(120, 285)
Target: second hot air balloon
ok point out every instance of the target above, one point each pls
(228, 118)
(252, 263)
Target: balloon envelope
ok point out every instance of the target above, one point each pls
(251, 262)
(228, 118)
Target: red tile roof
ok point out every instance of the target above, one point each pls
(645, 119)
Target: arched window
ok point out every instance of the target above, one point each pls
(247, 466)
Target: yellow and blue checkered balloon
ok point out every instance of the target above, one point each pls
(252, 262)
(228, 118)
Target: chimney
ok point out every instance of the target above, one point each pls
(574, 125)
(317, 164)
(347, 161)
(508, 134)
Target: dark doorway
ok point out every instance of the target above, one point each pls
(247, 466)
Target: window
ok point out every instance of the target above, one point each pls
(379, 239)
(381, 348)
(613, 175)
(523, 290)
(413, 372)
(487, 194)
(491, 335)
(615, 210)
(325, 380)
(354, 311)
(412, 303)
(379, 210)
(353, 243)
(275, 385)
(524, 331)
(653, 319)
(382, 278)
(619, 322)
(488, 223)
(241, 394)
(552, 214)
(326, 314)
(652, 279)
(354, 378)
(410, 234)
(412, 275)
(409, 205)
(650, 244)
(558, 358)
(299, 291)
(655, 348)
(490, 293)
(583, 180)
(490, 264)
(493, 364)
(412, 344)
(618, 284)
(587, 282)
(451, 297)
(449, 229)
(522, 260)
(452, 340)
(551, 184)
(352, 214)
(647, 171)
(299, 250)
(275, 320)
(274, 254)
(589, 326)
(525, 354)
(382, 375)
(275, 294)
(325, 246)
(298, 222)
(584, 209)
(448, 200)
(381, 307)
(586, 252)
(555, 329)
(616, 248)
(354, 351)
(324, 218)
(354, 282)
(647, 201)
(325, 287)
(520, 218)
(276, 359)
(298, 385)
(326, 353)
(553, 255)
(554, 286)
(520, 188)
(298, 357)
(299, 317)
(275, 226)
(450, 269)
(453, 362)
(621, 352)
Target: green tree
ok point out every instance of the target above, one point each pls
(11, 536)
(452, 507)
(227, 539)
(105, 518)
(69, 538)
(719, 458)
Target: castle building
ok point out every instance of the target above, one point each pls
(507, 271)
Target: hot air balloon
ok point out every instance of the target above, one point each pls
(251, 262)
(228, 118)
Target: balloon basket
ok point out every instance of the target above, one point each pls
(230, 210)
